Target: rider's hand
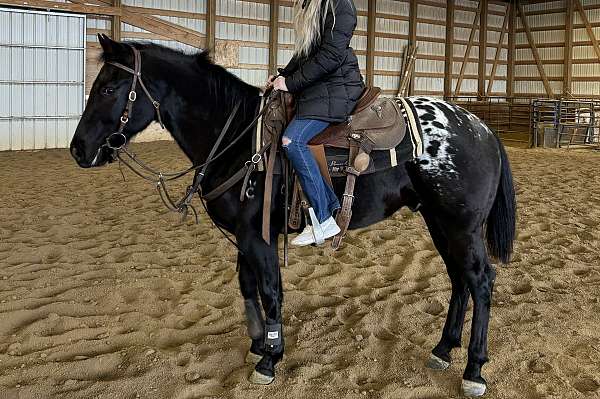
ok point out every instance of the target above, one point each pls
(269, 83)
(279, 84)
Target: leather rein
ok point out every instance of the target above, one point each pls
(117, 142)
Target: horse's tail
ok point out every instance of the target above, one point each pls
(501, 222)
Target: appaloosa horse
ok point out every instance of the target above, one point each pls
(462, 181)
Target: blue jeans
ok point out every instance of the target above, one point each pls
(295, 139)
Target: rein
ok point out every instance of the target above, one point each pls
(117, 142)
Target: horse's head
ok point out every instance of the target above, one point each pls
(97, 134)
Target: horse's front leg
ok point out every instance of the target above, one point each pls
(265, 262)
(252, 308)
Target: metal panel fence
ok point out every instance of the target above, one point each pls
(42, 75)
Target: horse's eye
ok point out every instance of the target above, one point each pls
(107, 91)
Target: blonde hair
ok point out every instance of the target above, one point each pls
(308, 24)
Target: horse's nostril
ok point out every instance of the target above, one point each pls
(75, 153)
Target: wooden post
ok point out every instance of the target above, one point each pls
(448, 65)
(273, 36)
(116, 23)
(371, 24)
(568, 70)
(412, 40)
(510, 69)
(211, 24)
(482, 66)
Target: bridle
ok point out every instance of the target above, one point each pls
(117, 142)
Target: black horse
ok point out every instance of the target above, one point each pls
(462, 181)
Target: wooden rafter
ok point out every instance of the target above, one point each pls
(534, 50)
(498, 52)
(69, 7)
(163, 28)
(588, 27)
(461, 75)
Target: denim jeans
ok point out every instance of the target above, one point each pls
(295, 139)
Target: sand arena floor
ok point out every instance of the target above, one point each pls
(104, 295)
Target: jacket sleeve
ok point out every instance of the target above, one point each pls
(289, 68)
(331, 53)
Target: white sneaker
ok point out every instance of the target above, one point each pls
(307, 237)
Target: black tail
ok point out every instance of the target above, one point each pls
(501, 222)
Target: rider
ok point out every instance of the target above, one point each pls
(325, 78)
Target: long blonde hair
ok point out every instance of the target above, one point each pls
(307, 22)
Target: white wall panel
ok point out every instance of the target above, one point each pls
(42, 73)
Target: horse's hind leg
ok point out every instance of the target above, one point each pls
(468, 250)
(451, 335)
(254, 317)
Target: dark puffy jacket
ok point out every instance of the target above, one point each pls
(328, 82)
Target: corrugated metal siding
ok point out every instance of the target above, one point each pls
(550, 45)
(42, 74)
(465, 15)
(391, 38)
(431, 37)
(586, 68)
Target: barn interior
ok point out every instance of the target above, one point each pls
(105, 294)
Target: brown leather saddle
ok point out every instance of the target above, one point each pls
(376, 124)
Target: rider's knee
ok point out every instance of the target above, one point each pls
(286, 141)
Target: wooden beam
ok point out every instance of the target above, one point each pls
(534, 50)
(568, 57)
(510, 68)
(116, 22)
(67, 7)
(588, 28)
(273, 36)
(482, 65)
(164, 28)
(412, 40)
(211, 24)
(467, 53)
(498, 51)
(449, 49)
(371, 20)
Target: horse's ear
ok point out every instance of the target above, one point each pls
(111, 48)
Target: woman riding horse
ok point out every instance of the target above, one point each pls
(325, 78)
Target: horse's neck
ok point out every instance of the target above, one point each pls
(196, 131)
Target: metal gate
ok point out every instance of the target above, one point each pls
(42, 75)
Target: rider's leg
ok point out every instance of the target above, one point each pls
(321, 196)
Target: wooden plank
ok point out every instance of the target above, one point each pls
(273, 36)
(66, 7)
(449, 49)
(164, 28)
(467, 53)
(481, 66)
(498, 52)
(412, 40)
(211, 24)
(371, 20)
(568, 69)
(534, 50)
(588, 28)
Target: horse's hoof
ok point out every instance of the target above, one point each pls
(436, 363)
(253, 358)
(260, 379)
(472, 389)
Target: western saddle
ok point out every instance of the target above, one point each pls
(376, 124)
